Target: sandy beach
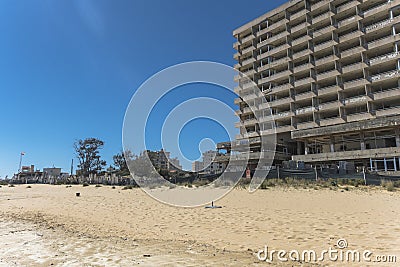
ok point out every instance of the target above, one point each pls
(46, 225)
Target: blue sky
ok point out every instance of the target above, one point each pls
(68, 68)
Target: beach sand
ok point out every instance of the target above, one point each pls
(47, 224)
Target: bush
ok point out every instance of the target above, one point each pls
(85, 184)
(98, 185)
(11, 185)
(29, 186)
(113, 187)
(389, 185)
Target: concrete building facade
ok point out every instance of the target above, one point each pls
(162, 160)
(208, 164)
(330, 72)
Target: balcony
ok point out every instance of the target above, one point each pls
(327, 74)
(299, 14)
(279, 62)
(320, 4)
(382, 41)
(304, 81)
(279, 102)
(384, 58)
(374, 10)
(273, 51)
(349, 155)
(324, 45)
(250, 122)
(329, 90)
(325, 30)
(357, 100)
(322, 17)
(263, 31)
(301, 40)
(303, 67)
(277, 37)
(250, 96)
(283, 115)
(276, 76)
(305, 110)
(274, 64)
(387, 94)
(355, 83)
(329, 105)
(306, 95)
(299, 27)
(248, 61)
(306, 125)
(301, 54)
(351, 4)
(282, 88)
(385, 76)
(248, 49)
(283, 129)
(381, 24)
(350, 36)
(248, 38)
(348, 21)
(325, 60)
(331, 121)
(359, 117)
(277, 24)
(244, 75)
(354, 67)
(388, 111)
(352, 51)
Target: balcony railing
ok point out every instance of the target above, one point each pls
(385, 75)
(354, 100)
(343, 7)
(305, 110)
(329, 105)
(319, 4)
(355, 82)
(321, 17)
(348, 21)
(384, 57)
(387, 93)
(373, 10)
(382, 23)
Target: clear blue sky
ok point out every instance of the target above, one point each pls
(68, 68)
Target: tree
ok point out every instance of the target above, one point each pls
(120, 161)
(87, 152)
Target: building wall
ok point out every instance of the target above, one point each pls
(320, 64)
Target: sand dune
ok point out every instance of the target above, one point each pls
(114, 227)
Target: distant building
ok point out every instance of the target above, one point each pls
(162, 160)
(208, 164)
(52, 172)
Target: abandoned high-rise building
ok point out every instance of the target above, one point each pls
(330, 73)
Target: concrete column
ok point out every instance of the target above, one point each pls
(397, 132)
(306, 150)
(395, 164)
(362, 142)
(299, 148)
(396, 47)
(393, 30)
(391, 14)
(385, 164)
(332, 144)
